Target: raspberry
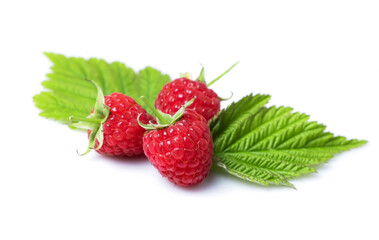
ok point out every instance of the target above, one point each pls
(122, 134)
(176, 93)
(180, 147)
(112, 126)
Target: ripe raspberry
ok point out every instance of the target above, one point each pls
(122, 134)
(176, 93)
(181, 150)
(112, 126)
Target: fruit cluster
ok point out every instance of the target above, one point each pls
(177, 140)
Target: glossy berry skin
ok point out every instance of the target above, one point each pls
(181, 152)
(176, 93)
(122, 133)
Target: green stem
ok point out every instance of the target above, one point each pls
(213, 81)
(154, 110)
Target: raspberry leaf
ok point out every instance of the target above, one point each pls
(271, 145)
(67, 93)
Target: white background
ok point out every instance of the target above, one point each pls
(320, 57)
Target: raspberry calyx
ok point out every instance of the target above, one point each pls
(163, 119)
(93, 122)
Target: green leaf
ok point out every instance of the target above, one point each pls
(69, 94)
(235, 114)
(271, 145)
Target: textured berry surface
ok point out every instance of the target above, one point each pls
(122, 133)
(176, 93)
(181, 152)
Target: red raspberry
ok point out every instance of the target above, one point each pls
(181, 90)
(122, 134)
(176, 93)
(112, 126)
(183, 151)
